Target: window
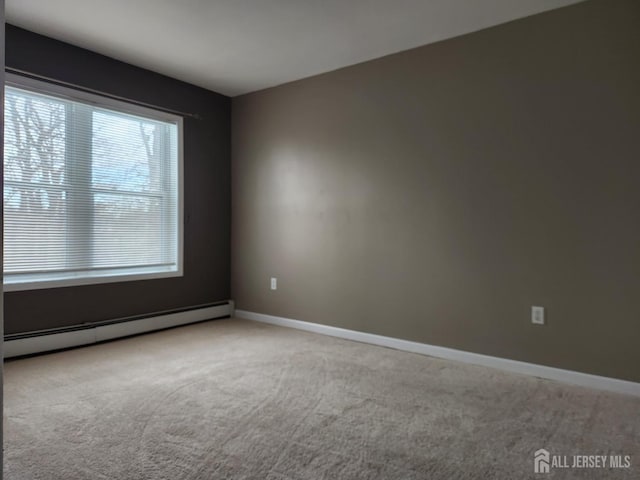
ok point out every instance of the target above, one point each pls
(92, 189)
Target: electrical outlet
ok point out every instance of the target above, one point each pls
(537, 315)
(274, 283)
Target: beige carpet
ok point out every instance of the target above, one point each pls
(240, 400)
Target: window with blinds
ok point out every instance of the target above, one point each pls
(92, 189)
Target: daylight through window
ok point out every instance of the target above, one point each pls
(91, 189)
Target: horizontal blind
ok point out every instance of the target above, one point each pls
(88, 191)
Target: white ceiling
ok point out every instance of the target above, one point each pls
(239, 46)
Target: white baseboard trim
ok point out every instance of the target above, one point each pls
(542, 371)
(48, 341)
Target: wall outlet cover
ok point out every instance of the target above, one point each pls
(537, 315)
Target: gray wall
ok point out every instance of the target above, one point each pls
(206, 196)
(436, 194)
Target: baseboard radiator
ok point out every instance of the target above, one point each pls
(16, 345)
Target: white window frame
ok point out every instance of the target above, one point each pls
(34, 281)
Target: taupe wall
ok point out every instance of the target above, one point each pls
(436, 194)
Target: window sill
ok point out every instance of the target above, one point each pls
(22, 282)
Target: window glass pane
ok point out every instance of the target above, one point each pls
(34, 138)
(127, 220)
(127, 152)
(34, 146)
(41, 213)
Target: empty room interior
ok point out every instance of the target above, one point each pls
(291, 240)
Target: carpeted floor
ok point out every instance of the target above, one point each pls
(241, 400)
